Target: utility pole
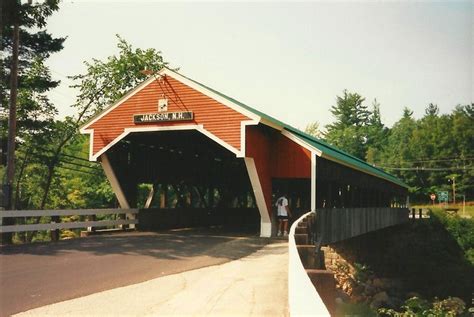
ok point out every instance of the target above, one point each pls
(10, 173)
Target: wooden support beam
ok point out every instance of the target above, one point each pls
(313, 181)
(265, 222)
(116, 187)
(150, 197)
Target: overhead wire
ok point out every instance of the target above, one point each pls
(426, 168)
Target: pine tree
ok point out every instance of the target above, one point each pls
(34, 110)
(348, 131)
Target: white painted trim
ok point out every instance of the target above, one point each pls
(108, 146)
(110, 174)
(68, 225)
(265, 222)
(209, 93)
(91, 146)
(219, 141)
(300, 142)
(271, 124)
(64, 212)
(313, 181)
(303, 298)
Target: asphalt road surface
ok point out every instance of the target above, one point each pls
(39, 274)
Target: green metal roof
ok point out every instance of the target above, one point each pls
(328, 151)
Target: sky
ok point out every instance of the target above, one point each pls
(287, 59)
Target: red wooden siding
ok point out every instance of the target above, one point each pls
(259, 147)
(220, 120)
(275, 156)
(290, 160)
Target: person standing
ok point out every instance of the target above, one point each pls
(283, 213)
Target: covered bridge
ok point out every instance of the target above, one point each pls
(209, 157)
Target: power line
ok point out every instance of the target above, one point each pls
(421, 168)
(76, 170)
(468, 158)
(80, 165)
(79, 158)
(43, 156)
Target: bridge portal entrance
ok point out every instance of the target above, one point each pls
(184, 179)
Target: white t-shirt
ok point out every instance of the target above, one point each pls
(281, 203)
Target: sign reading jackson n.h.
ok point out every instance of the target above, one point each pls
(163, 117)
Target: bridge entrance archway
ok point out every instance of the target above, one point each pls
(183, 179)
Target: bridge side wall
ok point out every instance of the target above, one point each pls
(337, 224)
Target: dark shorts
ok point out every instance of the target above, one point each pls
(282, 217)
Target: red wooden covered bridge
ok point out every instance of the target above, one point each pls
(210, 159)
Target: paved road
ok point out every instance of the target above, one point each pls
(255, 285)
(40, 274)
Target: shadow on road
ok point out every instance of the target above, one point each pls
(171, 244)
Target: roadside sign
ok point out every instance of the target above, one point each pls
(443, 196)
(433, 197)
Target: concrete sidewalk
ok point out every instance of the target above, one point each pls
(256, 285)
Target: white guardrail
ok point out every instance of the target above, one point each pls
(130, 214)
(303, 299)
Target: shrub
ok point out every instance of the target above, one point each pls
(461, 229)
(415, 306)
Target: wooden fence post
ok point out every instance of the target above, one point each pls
(55, 233)
(421, 213)
(413, 211)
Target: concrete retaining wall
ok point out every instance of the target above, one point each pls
(303, 299)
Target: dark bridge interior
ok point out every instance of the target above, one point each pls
(338, 186)
(188, 179)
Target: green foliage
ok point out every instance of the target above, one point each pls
(313, 129)
(348, 131)
(103, 84)
(35, 113)
(415, 306)
(423, 153)
(355, 309)
(107, 81)
(461, 229)
(77, 183)
(362, 272)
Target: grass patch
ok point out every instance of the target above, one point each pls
(465, 211)
(355, 309)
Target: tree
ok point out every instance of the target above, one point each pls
(34, 79)
(107, 81)
(376, 134)
(348, 131)
(426, 153)
(104, 83)
(399, 150)
(25, 42)
(314, 130)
